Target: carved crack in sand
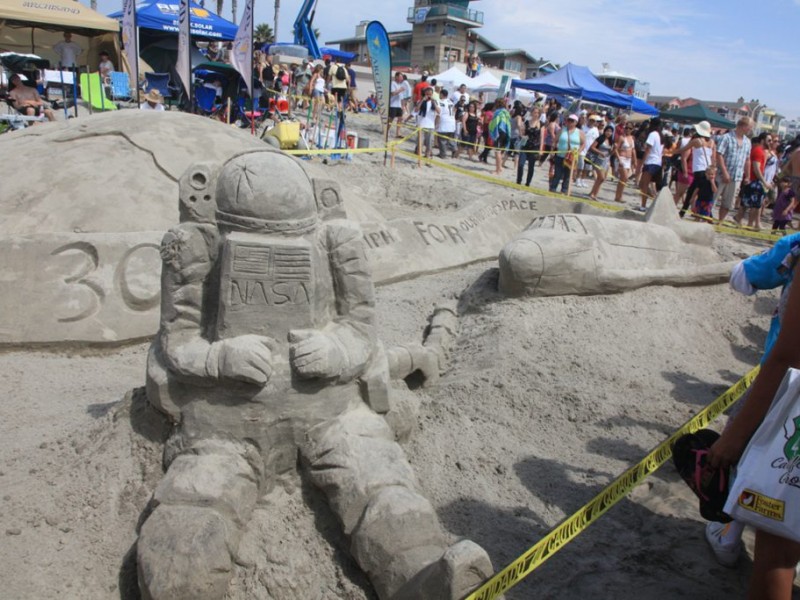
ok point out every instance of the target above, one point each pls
(128, 139)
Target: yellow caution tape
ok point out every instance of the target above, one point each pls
(597, 506)
(510, 184)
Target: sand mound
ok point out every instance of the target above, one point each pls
(546, 401)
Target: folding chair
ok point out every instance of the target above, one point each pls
(158, 81)
(93, 92)
(246, 115)
(120, 86)
(205, 100)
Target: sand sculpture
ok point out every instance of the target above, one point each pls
(266, 359)
(583, 254)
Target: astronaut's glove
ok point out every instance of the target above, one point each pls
(316, 354)
(245, 358)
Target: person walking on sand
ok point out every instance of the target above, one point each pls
(703, 151)
(651, 169)
(626, 159)
(570, 141)
(733, 153)
(599, 156)
(756, 188)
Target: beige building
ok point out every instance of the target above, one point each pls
(444, 34)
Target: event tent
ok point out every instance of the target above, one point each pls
(696, 113)
(35, 27)
(452, 78)
(579, 82)
(163, 16)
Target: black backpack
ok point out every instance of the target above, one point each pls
(341, 74)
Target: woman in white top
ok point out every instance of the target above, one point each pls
(704, 154)
(653, 155)
(427, 110)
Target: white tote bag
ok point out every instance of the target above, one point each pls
(766, 491)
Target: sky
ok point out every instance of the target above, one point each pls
(713, 50)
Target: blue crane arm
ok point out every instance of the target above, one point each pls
(303, 32)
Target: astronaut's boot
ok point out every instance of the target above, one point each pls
(186, 545)
(400, 543)
(460, 570)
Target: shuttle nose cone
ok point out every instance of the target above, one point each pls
(521, 267)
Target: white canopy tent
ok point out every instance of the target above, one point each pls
(452, 78)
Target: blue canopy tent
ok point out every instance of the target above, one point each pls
(332, 52)
(163, 16)
(578, 82)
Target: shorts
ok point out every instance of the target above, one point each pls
(340, 93)
(726, 194)
(685, 178)
(502, 141)
(653, 170)
(317, 94)
(395, 112)
(625, 162)
(753, 195)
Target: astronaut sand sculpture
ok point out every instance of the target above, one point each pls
(584, 254)
(266, 357)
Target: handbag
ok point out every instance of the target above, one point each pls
(569, 157)
(766, 491)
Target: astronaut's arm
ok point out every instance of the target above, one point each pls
(347, 344)
(354, 325)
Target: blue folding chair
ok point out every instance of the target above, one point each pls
(160, 82)
(205, 100)
(120, 86)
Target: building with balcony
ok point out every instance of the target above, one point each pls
(441, 32)
(444, 34)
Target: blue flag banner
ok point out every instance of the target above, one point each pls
(380, 56)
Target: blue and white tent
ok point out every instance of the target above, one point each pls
(163, 16)
(579, 82)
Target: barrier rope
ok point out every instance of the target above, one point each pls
(569, 528)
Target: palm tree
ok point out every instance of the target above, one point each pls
(263, 34)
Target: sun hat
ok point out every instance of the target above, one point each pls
(572, 117)
(703, 128)
(154, 96)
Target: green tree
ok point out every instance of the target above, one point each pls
(263, 33)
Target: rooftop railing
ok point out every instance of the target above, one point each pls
(446, 10)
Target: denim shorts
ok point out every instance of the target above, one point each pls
(652, 169)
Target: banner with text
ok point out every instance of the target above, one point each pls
(130, 41)
(242, 54)
(184, 66)
(380, 56)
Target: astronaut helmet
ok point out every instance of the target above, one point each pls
(265, 192)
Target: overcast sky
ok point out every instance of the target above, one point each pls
(713, 50)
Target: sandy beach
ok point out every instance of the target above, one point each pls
(546, 401)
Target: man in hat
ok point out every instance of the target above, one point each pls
(153, 100)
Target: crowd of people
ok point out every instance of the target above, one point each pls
(703, 168)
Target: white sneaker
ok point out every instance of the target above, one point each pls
(726, 551)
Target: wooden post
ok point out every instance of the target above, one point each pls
(228, 112)
(419, 147)
(571, 166)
